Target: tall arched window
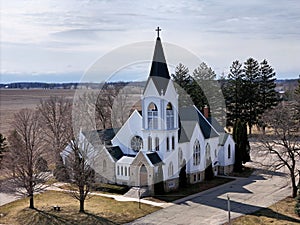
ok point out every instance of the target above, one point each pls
(125, 171)
(170, 169)
(168, 144)
(180, 156)
(136, 143)
(173, 143)
(170, 116)
(196, 153)
(156, 144)
(149, 143)
(229, 152)
(207, 152)
(152, 116)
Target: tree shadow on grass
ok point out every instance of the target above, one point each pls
(69, 217)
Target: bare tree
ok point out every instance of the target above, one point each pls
(21, 161)
(282, 143)
(56, 120)
(79, 165)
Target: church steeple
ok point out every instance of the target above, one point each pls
(159, 66)
(159, 72)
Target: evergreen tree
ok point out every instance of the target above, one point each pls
(206, 90)
(183, 81)
(237, 131)
(267, 95)
(251, 87)
(233, 91)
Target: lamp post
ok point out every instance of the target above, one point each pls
(228, 206)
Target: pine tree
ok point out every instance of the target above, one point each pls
(267, 95)
(234, 91)
(251, 87)
(237, 131)
(183, 82)
(206, 89)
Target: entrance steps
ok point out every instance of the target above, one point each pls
(137, 192)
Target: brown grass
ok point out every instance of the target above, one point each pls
(99, 210)
(280, 213)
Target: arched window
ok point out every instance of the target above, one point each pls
(229, 152)
(156, 144)
(104, 165)
(196, 153)
(180, 156)
(207, 152)
(173, 143)
(125, 171)
(149, 143)
(121, 170)
(168, 144)
(136, 143)
(118, 170)
(152, 116)
(170, 169)
(170, 116)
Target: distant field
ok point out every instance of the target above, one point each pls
(13, 100)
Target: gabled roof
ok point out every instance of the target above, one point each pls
(154, 158)
(216, 125)
(115, 152)
(223, 138)
(159, 72)
(190, 116)
(97, 137)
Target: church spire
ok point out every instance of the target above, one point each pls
(159, 66)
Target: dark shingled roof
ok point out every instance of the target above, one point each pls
(216, 124)
(154, 158)
(159, 72)
(115, 152)
(99, 136)
(189, 116)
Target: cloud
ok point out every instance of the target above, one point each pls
(76, 32)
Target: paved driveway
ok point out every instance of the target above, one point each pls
(210, 207)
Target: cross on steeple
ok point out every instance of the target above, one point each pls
(158, 29)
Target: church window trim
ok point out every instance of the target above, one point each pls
(196, 153)
(170, 169)
(173, 143)
(152, 116)
(149, 143)
(168, 144)
(170, 116)
(136, 143)
(156, 144)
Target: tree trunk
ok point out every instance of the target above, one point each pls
(294, 186)
(81, 208)
(31, 203)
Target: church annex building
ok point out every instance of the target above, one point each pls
(163, 143)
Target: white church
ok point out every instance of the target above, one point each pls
(163, 143)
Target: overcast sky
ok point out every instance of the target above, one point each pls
(57, 40)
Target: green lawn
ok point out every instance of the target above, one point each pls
(192, 189)
(280, 213)
(99, 210)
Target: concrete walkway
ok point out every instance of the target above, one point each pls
(210, 207)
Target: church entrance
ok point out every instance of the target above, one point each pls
(209, 173)
(143, 176)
